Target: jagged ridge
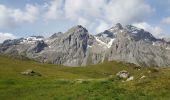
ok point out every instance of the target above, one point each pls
(77, 47)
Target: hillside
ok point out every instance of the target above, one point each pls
(81, 83)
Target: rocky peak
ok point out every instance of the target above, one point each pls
(128, 31)
(12, 42)
(77, 32)
(133, 29)
(78, 29)
(119, 26)
(110, 33)
(139, 34)
(55, 35)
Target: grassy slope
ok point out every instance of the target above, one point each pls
(59, 82)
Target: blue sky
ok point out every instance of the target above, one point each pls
(21, 18)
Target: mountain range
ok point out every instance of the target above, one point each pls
(77, 47)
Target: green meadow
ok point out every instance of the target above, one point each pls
(94, 82)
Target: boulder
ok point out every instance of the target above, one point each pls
(123, 74)
(131, 78)
(143, 77)
(30, 72)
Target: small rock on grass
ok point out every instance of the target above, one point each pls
(123, 74)
(30, 72)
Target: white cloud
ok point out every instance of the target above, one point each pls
(54, 10)
(128, 11)
(109, 10)
(12, 17)
(84, 8)
(93, 14)
(29, 15)
(5, 36)
(154, 30)
(93, 11)
(83, 21)
(166, 20)
(5, 18)
(101, 27)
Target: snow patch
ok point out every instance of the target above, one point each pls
(121, 31)
(101, 42)
(31, 40)
(135, 32)
(49, 46)
(112, 29)
(105, 35)
(89, 46)
(133, 29)
(110, 43)
(105, 44)
(168, 48)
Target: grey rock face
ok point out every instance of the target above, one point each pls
(77, 47)
(68, 49)
(39, 46)
(139, 34)
(55, 35)
(139, 47)
(12, 42)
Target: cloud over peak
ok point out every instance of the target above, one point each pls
(96, 15)
(108, 11)
(155, 30)
(97, 11)
(5, 36)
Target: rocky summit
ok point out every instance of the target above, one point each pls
(77, 47)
